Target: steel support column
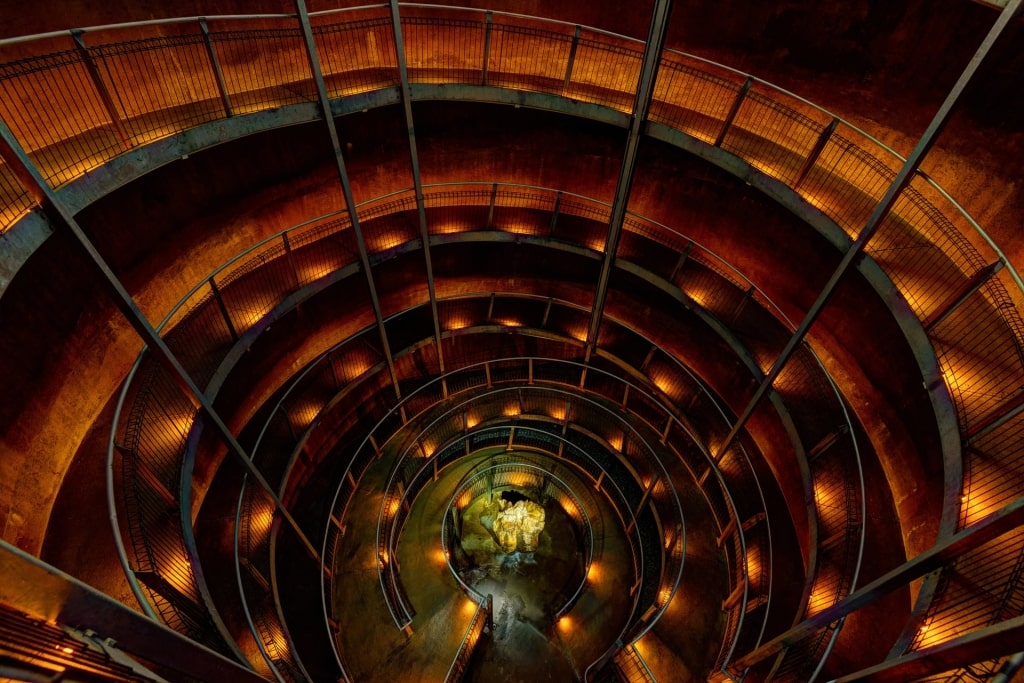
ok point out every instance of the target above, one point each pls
(403, 73)
(880, 213)
(624, 185)
(346, 187)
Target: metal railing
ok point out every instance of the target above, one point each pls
(560, 377)
(433, 441)
(476, 628)
(288, 261)
(631, 667)
(926, 247)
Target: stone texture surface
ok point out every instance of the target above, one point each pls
(518, 526)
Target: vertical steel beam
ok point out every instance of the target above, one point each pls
(624, 185)
(880, 213)
(414, 160)
(346, 187)
(61, 216)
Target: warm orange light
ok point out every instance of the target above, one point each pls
(520, 479)
(260, 522)
(754, 565)
(953, 380)
(522, 228)
(179, 574)
(248, 313)
(699, 297)
(825, 497)
(66, 650)
(661, 382)
(822, 596)
(594, 572)
(354, 367)
(458, 322)
(663, 595)
(472, 420)
(936, 633)
(510, 410)
(508, 322)
(304, 414)
(311, 272)
(386, 240)
(450, 227)
(578, 333)
(469, 608)
(565, 624)
(616, 442)
(557, 412)
(977, 506)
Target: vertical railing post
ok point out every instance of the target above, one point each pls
(101, 87)
(554, 213)
(812, 156)
(490, 209)
(488, 24)
(733, 110)
(223, 309)
(215, 63)
(572, 58)
(291, 259)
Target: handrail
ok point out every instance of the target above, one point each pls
(388, 502)
(440, 187)
(608, 34)
(650, 455)
(14, 40)
(476, 627)
(717, 474)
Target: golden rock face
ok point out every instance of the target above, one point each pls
(518, 526)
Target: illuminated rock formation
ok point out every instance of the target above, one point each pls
(518, 527)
